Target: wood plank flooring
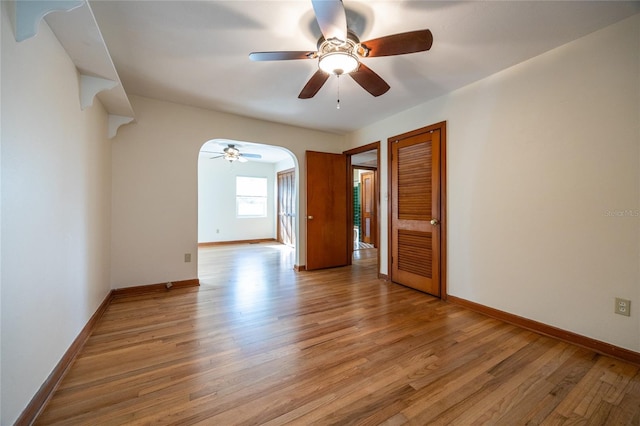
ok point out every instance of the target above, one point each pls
(258, 344)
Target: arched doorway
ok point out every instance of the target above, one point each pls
(238, 192)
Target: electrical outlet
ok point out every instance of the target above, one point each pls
(187, 257)
(623, 307)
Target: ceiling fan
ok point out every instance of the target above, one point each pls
(339, 50)
(231, 153)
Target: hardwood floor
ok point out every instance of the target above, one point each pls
(258, 343)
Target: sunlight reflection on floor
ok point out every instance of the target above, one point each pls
(249, 272)
(253, 275)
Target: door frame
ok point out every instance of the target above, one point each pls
(368, 147)
(442, 126)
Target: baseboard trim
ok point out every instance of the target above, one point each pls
(224, 243)
(154, 288)
(383, 277)
(551, 331)
(44, 394)
(299, 268)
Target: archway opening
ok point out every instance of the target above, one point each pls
(240, 197)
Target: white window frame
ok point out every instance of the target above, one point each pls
(252, 196)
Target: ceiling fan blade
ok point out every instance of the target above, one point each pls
(251, 155)
(397, 44)
(369, 80)
(281, 56)
(213, 158)
(332, 19)
(313, 85)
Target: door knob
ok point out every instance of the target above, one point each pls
(435, 222)
(309, 217)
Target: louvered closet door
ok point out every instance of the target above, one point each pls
(415, 205)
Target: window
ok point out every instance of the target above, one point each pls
(251, 196)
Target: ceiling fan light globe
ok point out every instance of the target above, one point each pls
(338, 63)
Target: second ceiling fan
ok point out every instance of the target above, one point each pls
(339, 50)
(231, 153)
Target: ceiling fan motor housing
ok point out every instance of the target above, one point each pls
(232, 150)
(337, 56)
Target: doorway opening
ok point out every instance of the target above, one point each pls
(364, 208)
(232, 212)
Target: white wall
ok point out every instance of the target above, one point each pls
(217, 220)
(541, 160)
(56, 163)
(155, 178)
(285, 164)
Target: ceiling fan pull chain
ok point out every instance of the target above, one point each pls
(338, 105)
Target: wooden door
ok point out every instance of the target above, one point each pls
(368, 204)
(286, 207)
(326, 210)
(415, 211)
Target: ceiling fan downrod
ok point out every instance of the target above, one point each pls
(338, 105)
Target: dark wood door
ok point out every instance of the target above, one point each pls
(286, 207)
(415, 211)
(368, 212)
(326, 210)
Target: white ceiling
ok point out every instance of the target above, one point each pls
(197, 52)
